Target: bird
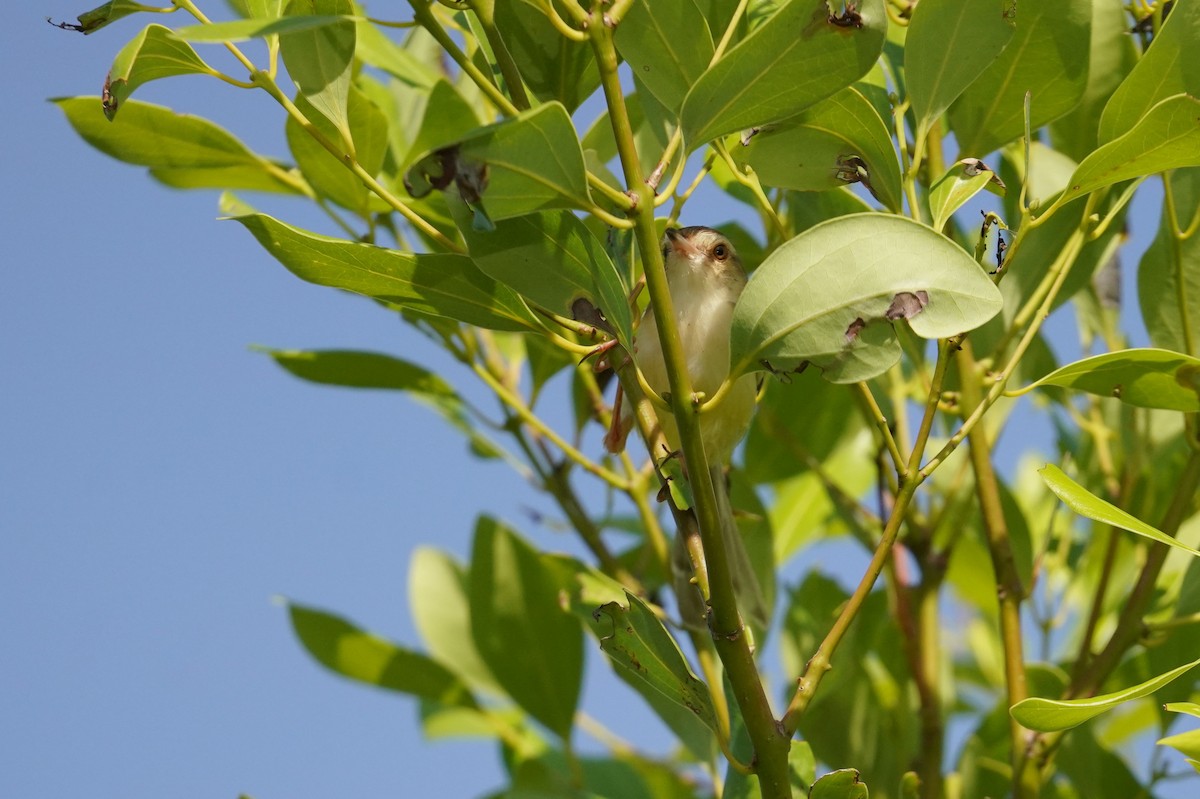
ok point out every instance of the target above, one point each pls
(705, 277)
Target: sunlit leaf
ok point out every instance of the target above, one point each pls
(180, 149)
(260, 27)
(957, 186)
(668, 46)
(1047, 56)
(532, 646)
(949, 43)
(320, 59)
(1051, 715)
(1169, 67)
(326, 172)
(440, 285)
(553, 66)
(1168, 280)
(340, 646)
(841, 784)
(95, 19)
(156, 52)
(838, 141)
(799, 56)
(1147, 378)
(635, 640)
(1188, 743)
(831, 295)
(1168, 137)
(1083, 502)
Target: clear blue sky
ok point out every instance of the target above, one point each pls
(160, 482)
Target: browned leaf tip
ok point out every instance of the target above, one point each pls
(67, 26)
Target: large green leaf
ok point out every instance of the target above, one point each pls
(438, 593)
(326, 172)
(636, 641)
(1047, 57)
(830, 296)
(354, 369)
(260, 27)
(435, 284)
(156, 52)
(447, 116)
(1147, 378)
(1169, 272)
(1051, 715)
(531, 645)
(667, 45)
(839, 140)
(552, 259)
(529, 163)
(344, 648)
(1168, 137)
(796, 58)
(1087, 504)
(181, 150)
(553, 66)
(1169, 67)
(320, 60)
(949, 43)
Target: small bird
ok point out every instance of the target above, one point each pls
(705, 278)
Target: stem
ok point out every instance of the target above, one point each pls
(771, 744)
(485, 10)
(423, 14)
(1010, 592)
(875, 414)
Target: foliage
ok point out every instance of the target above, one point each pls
(444, 148)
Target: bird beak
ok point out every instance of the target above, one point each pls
(680, 245)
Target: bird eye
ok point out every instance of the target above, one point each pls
(720, 252)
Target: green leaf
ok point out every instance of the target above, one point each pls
(1191, 708)
(531, 162)
(1168, 278)
(353, 369)
(154, 53)
(447, 117)
(793, 60)
(320, 59)
(553, 66)
(376, 49)
(1187, 743)
(1146, 378)
(180, 149)
(1051, 715)
(241, 30)
(1170, 66)
(438, 594)
(97, 18)
(957, 186)
(553, 260)
(1047, 56)
(830, 296)
(532, 646)
(1083, 502)
(837, 141)
(841, 784)
(341, 647)
(636, 641)
(948, 45)
(327, 173)
(435, 284)
(1168, 137)
(667, 45)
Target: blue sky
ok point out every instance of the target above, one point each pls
(160, 482)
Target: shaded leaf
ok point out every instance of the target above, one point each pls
(838, 141)
(1170, 66)
(667, 45)
(327, 173)
(636, 641)
(1168, 280)
(1047, 56)
(353, 369)
(320, 59)
(553, 66)
(829, 297)
(840, 784)
(532, 646)
(344, 648)
(1147, 378)
(948, 45)
(1083, 502)
(180, 149)
(796, 58)
(1050, 715)
(439, 285)
(1168, 137)
(154, 53)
